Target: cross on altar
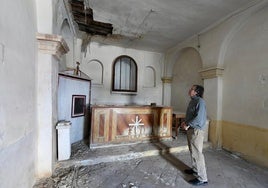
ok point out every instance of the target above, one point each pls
(136, 124)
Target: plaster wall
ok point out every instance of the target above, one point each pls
(187, 66)
(68, 59)
(46, 119)
(101, 93)
(245, 92)
(54, 109)
(246, 141)
(50, 17)
(64, 26)
(45, 90)
(213, 98)
(236, 101)
(245, 78)
(44, 11)
(214, 41)
(18, 122)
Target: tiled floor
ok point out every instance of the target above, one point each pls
(151, 165)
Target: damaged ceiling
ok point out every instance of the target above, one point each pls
(153, 25)
(83, 16)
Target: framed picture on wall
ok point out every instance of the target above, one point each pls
(78, 105)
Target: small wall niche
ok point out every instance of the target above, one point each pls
(150, 77)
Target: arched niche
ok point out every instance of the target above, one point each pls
(185, 74)
(94, 69)
(149, 77)
(67, 59)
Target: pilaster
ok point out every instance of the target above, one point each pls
(50, 49)
(213, 96)
(166, 95)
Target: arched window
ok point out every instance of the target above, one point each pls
(124, 75)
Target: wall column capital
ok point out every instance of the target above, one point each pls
(166, 80)
(52, 44)
(211, 72)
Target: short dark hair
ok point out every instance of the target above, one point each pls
(199, 90)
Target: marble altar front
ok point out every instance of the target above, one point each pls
(112, 124)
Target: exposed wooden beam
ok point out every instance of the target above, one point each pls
(94, 30)
(80, 9)
(88, 21)
(84, 18)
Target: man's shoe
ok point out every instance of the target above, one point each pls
(189, 171)
(197, 182)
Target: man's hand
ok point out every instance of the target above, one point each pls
(184, 126)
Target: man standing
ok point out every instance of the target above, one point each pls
(195, 122)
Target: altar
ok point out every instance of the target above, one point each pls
(112, 124)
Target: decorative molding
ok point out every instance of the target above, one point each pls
(212, 72)
(52, 44)
(83, 76)
(166, 79)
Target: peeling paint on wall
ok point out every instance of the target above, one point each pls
(263, 78)
(2, 53)
(247, 140)
(1, 136)
(265, 104)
